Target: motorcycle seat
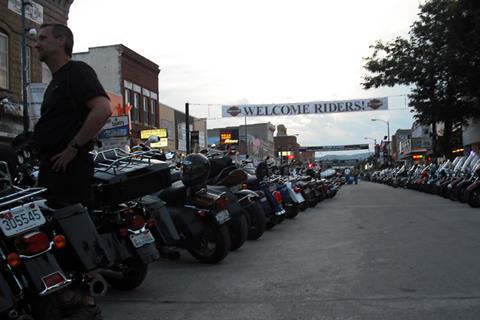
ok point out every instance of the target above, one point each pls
(252, 181)
(176, 194)
(302, 184)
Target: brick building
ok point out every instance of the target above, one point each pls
(129, 78)
(41, 11)
(286, 147)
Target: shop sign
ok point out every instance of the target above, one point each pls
(161, 133)
(33, 11)
(163, 143)
(229, 137)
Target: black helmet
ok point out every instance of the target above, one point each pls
(196, 169)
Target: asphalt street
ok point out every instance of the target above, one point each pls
(372, 252)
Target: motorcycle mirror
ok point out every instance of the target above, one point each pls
(153, 139)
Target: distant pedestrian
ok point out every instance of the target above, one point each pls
(355, 174)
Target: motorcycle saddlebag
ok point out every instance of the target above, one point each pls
(120, 184)
(163, 221)
(83, 240)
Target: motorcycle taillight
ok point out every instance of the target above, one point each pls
(32, 243)
(136, 222)
(221, 203)
(278, 196)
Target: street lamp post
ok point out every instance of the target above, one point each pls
(24, 70)
(388, 133)
(374, 141)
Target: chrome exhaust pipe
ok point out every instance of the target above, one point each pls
(97, 286)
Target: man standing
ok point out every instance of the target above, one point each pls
(75, 107)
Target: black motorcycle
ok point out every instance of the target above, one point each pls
(29, 271)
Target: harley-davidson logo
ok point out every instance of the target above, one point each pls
(375, 104)
(234, 111)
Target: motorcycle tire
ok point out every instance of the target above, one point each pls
(272, 222)
(133, 273)
(463, 194)
(216, 235)
(87, 313)
(45, 308)
(293, 212)
(474, 198)
(453, 195)
(304, 205)
(258, 222)
(238, 232)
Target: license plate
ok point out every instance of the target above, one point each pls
(263, 199)
(272, 188)
(20, 219)
(223, 216)
(141, 239)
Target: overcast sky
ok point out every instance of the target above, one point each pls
(258, 51)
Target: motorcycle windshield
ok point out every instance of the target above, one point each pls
(469, 161)
(456, 160)
(475, 165)
(459, 164)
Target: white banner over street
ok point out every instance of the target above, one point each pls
(317, 107)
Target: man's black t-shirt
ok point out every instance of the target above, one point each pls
(64, 106)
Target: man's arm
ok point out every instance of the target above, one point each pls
(100, 110)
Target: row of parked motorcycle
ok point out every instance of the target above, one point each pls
(147, 207)
(457, 179)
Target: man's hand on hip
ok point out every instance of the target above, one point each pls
(62, 159)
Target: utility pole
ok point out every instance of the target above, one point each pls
(187, 128)
(246, 138)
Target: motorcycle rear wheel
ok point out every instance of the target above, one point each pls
(133, 273)
(273, 221)
(214, 244)
(465, 194)
(293, 211)
(258, 222)
(474, 198)
(45, 308)
(238, 232)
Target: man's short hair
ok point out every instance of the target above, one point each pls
(61, 30)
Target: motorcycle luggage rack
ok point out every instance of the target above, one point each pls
(19, 194)
(11, 194)
(121, 176)
(113, 161)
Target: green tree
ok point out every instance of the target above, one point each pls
(439, 60)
